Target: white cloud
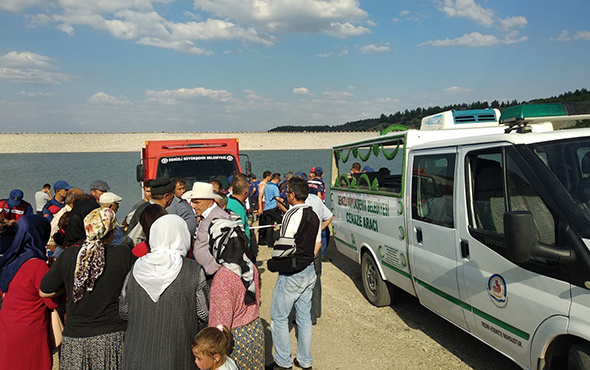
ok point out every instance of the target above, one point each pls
(471, 39)
(35, 94)
(175, 96)
(25, 59)
(565, 35)
(185, 46)
(301, 91)
(514, 37)
(338, 95)
(328, 55)
(30, 68)
(103, 98)
(509, 23)
(468, 9)
(403, 13)
(17, 5)
(372, 48)
(338, 18)
(457, 89)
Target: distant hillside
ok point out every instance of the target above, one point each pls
(412, 118)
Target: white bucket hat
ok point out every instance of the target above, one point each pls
(109, 197)
(201, 190)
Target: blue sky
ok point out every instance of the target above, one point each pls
(251, 65)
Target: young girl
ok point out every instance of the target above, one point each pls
(211, 347)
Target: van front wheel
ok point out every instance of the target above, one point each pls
(579, 357)
(376, 290)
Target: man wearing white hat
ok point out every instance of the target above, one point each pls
(202, 199)
(111, 200)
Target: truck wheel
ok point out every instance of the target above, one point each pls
(578, 357)
(376, 290)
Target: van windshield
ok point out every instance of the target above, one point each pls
(198, 167)
(569, 160)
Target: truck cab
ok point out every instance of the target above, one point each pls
(192, 160)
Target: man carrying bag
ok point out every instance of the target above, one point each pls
(293, 260)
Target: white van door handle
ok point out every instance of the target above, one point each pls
(419, 235)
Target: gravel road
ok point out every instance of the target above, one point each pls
(353, 334)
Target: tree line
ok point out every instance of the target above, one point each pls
(412, 118)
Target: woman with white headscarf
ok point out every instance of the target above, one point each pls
(165, 300)
(91, 276)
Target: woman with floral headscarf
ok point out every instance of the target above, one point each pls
(165, 301)
(24, 341)
(91, 276)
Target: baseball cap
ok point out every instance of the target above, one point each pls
(61, 184)
(316, 170)
(109, 197)
(16, 196)
(99, 185)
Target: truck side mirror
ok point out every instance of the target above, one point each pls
(139, 173)
(248, 168)
(520, 234)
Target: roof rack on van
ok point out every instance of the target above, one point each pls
(518, 117)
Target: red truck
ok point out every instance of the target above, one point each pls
(193, 160)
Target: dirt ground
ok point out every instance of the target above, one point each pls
(353, 334)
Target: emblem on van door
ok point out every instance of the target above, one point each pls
(497, 290)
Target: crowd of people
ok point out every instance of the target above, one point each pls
(174, 285)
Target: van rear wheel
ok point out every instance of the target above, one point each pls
(376, 289)
(579, 357)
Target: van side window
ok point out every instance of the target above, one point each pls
(371, 167)
(497, 189)
(433, 180)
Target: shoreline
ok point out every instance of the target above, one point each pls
(15, 143)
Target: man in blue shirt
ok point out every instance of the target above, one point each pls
(272, 213)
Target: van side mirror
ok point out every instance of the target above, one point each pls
(522, 244)
(139, 173)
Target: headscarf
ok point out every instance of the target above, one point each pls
(169, 242)
(91, 260)
(228, 244)
(31, 236)
(75, 230)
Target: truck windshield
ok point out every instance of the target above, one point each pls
(197, 167)
(569, 160)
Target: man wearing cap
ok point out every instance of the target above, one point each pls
(58, 201)
(316, 184)
(202, 199)
(97, 188)
(112, 201)
(181, 207)
(14, 207)
(162, 192)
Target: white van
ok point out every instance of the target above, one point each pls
(485, 219)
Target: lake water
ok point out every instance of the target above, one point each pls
(29, 172)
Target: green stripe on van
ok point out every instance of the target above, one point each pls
(346, 244)
(401, 272)
(452, 299)
(479, 313)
